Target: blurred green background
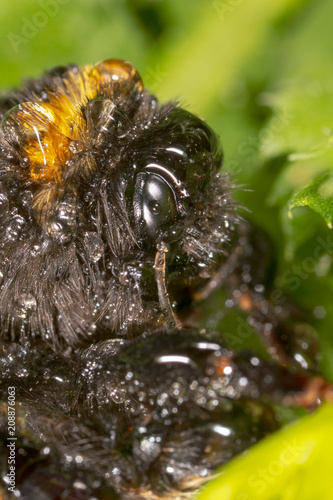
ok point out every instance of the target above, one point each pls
(260, 73)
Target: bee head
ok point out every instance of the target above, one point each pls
(99, 177)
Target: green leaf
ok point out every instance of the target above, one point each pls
(301, 123)
(293, 464)
(301, 94)
(317, 195)
(297, 230)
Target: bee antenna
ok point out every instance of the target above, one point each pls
(170, 318)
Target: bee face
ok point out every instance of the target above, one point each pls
(95, 176)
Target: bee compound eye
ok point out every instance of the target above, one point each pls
(154, 205)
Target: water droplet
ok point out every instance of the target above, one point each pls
(62, 223)
(227, 370)
(141, 396)
(9, 123)
(200, 395)
(118, 396)
(254, 361)
(4, 203)
(150, 446)
(212, 403)
(35, 250)
(55, 230)
(21, 372)
(155, 207)
(243, 381)
(26, 198)
(319, 312)
(193, 385)
(177, 389)
(79, 484)
(162, 398)
(25, 305)
(94, 246)
(14, 228)
(231, 392)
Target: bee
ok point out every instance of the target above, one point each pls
(116, 222)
